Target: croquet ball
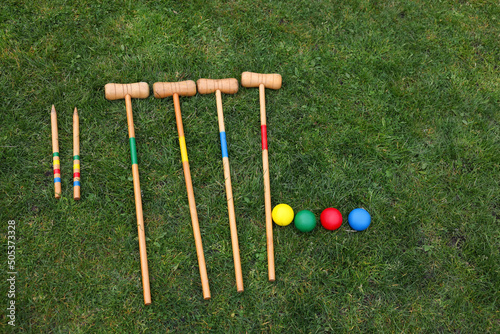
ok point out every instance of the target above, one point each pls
(359, 219)
(282, 214)
(305, 221)
(331, 219)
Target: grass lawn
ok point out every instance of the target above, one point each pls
(392, 106)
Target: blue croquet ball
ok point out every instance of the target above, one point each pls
(359, 219)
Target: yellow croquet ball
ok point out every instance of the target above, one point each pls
(282, 214)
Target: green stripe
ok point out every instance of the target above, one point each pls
(55, 154)
(133, 151)
(76, 157)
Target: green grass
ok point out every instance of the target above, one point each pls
(392, 106)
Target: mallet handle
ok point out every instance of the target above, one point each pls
(250, 79)
(191, 200)
(138, 203)
(76, 155)
(267, 184)
(183, 88)
(226, 86)
(229, 194)
(55, 153)
(138, 90)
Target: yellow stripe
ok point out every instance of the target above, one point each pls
(56, 160)
(184, 153)
(76, 166)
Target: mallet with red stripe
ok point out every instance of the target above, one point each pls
(186, 88)
(263, 81)
(139, 90)
(226, 86)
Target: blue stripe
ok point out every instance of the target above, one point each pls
(57, 179)
(223, 144)
(76, 183)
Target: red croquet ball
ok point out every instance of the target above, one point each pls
(331, 219)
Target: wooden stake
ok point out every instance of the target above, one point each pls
(55, 153)
(76, 156)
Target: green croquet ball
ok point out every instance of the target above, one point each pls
(305, 221)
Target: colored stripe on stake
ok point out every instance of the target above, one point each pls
(57, 167)
(263, 133)
(223, 144)
(133, 151)
(182, 144)
(76, 183)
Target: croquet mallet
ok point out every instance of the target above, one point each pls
(226, 86)
(263, 81)
(174, 89)
(138, 90)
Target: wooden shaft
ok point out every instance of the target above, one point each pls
(55, 153)
(138, 203)
(76, 155)
(191, 200)
(229, 195)
(267, 185)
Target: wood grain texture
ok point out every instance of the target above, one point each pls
(182, 88)
(226, 86)
(115, 91)
(251, 79)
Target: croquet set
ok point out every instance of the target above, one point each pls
(282, 214)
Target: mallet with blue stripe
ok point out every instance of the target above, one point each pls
(174, 89)
(226, 86)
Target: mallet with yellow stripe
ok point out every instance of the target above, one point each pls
(138, 90)
(76, 155)
(55, 153)
(226, 86)
(263, 81)
(174, 89)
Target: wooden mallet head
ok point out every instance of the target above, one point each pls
(226, 86)
(250, 79)
(182, 88)
(138, 90)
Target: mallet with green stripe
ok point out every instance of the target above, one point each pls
(138, 90)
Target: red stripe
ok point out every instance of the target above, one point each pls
(263, 134)
(57, 171)
(76, 174)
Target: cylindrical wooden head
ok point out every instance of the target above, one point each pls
(138, 90)
(183, 88)
(226, 86)
(250, 79)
